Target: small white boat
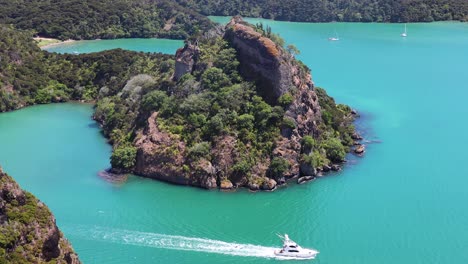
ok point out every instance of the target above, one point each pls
(292, 250)
(404, 34)
(335, 38)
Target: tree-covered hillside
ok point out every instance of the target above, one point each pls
(337, 10)
(29, 75)
(90, 19)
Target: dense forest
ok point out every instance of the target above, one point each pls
(337, 10)
(88, 19)
(179, 19)
(29, 75)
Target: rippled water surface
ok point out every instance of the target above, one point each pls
(405, 202)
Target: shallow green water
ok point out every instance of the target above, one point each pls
(405, 202)
(168, 46)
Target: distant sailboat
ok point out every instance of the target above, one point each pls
(335, 38)
(404, 33)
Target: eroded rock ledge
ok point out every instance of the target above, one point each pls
(28, 233)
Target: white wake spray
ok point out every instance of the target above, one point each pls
(136, 238)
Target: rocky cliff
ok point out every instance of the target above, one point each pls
(162, 155)
(276, 73)
(28, 233)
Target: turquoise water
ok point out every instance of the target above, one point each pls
(168, 46)
(405, 202)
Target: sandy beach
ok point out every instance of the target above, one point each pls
(48, 42)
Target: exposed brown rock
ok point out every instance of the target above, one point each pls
(185, 60)
(360, 149)
(226, 185)
(356, 136)
(335, 167)
(160, 155)
(261, 60)
(269, 185)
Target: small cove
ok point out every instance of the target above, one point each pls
(168, 46)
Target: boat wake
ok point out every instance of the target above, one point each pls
(128, 237)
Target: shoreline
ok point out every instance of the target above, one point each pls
(53, 42)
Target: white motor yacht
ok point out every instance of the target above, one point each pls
(292, 250)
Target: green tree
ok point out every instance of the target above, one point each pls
(336, 152)
(124, 157)
(154, 100)
(285, 99)
(278, 166)
(214, 79)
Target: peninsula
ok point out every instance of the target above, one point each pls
(233, 108)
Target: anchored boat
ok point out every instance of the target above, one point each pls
(292, 250)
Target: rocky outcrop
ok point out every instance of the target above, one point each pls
(360, 149)
(158, 154)
(28, 233)
(162, 156)
(186, 58)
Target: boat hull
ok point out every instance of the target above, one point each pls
(304, 255)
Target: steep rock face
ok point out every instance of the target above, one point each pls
(162, 156)
(28, 233)
(261, 60)
(276, 73)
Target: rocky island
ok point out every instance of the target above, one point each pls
(28, 233)
(242, 112)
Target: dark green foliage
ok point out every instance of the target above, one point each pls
(246, 121)
(285, 99)
(214, 78)
(124, 157)
(87, 19)
(154, 100)
(337, 10)
(288, 123)
(278, 166)
(335, 150)
(199, 150)
(337, 118)
(308, 142)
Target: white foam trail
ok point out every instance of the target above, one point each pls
(128, 237)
